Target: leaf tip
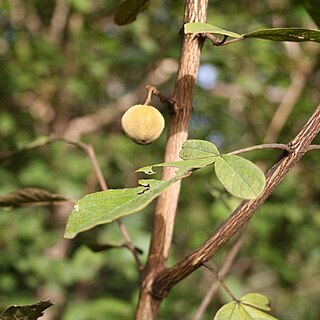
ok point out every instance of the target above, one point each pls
(69, 235)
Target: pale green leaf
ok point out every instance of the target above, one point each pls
(285, 34)
(251, 313)
(239, 176)
(128, 10)
(239, 310)
(228, 311)
(26, 312)
(197, 149)
(106, 206)
(199, 27)
(256, 300)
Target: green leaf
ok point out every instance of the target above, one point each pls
(106, 206)
(29, 197)
(250, 307)
(199, 27)
(238, 311)
(128, 10)
(257, 300)
(240, 177)
(26, 312)
(184, 167)
(197, 149)
(275, 34)
(285, 34)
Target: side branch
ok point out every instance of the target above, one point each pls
(298, 146)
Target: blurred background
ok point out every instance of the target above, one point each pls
(67, 70)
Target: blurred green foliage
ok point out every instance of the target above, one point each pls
(67, 69)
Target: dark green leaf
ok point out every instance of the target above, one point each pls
(285, 34)
(26, 312)
(200, 27)
(197, 149)
(128, 10)
(107, 206)
(240, 177)
(29, 197)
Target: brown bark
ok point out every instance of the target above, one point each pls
(163, 225)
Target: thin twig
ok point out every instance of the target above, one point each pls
(91, 153)
(223, 271)
(263, 146)
(232, 41)
(149, 96)
(152, 90)
(223, 284)
(314, 147)
(288, 102)
(59, 21)
(281, 146)
(130, 244)
(217, 42)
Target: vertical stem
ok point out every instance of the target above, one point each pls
(163, 225)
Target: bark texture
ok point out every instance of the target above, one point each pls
(163, 225)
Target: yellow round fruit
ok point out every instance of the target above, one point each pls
(142, 123)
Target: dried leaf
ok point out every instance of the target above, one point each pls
(29, 197)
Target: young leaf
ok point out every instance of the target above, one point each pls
(239, 311)
(128, 10)
(197, 149)
(107, 206)
(29, 197)
(285, 34)
(239, 176)
(257, 300)
(200, 27)
(26, 312)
